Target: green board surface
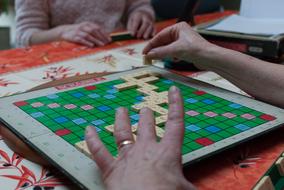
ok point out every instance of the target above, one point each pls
(208, 118)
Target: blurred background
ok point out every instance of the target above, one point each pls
(165, 9)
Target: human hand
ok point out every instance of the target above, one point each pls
(141, 25)
(144, 164)
(178, 41)
(86, 33)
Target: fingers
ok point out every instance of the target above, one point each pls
(168, 51)
(96, 32)
(149, 32)
(83, 41)
(141, 25)
(100, 154)
(146, 130)
(133, 24)
(165, 37)
(90, 38)
(104, 36)
(122, 129)
(175, 125)
(145, 25)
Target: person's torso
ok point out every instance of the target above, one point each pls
(107, 13)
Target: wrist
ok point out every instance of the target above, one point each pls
(207, 55)
(60, 31)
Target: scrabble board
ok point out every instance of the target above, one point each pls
(273, 178)
(53, 120)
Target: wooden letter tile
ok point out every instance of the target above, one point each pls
(82, 147)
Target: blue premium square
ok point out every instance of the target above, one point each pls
(61, 119)
(193, 128)
(52, 96)
(103, 108)
(37, 114)
(168, 82)
(94, 96)
(139, 98)
(135, 117)
(236, 106)
(208, 101)
(191, 100)
(242, 127)
(109, 96)
(112, 91)
(213, 129)
(98, 122)
(79, 121)
(98, 129)
(78, 95)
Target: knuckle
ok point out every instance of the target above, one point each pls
(77, 38)
(175, 117)
(95, 148)
(147, 123)
(85, 35)
(77, 32)
(122, 133)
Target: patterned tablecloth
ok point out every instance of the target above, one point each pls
(237, 168)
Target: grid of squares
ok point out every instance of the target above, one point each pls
(208, 118)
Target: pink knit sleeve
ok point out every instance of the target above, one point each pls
(140, 5)
(31, 16)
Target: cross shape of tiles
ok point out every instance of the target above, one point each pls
(152, 99)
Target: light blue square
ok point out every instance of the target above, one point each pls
(168, 82)
(213, 129)
(98, 122)
(191, 100)
(135, 117)
(109, 96)
(37, 114)
(79, 121)
(112, 91)
(94, 96)
(192, 128)
(236, 106)
(139, 98)
(98, 129)
(242, 127)
(52, 96)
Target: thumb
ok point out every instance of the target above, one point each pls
(162, 52)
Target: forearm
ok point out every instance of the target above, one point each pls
(261, 79)
(45, 36)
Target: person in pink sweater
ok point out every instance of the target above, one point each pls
(87, 22)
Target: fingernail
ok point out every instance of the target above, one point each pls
(144, 110)
(120, 110)
(88, 130)
(174, 89)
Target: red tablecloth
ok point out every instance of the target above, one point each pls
(238, 168)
